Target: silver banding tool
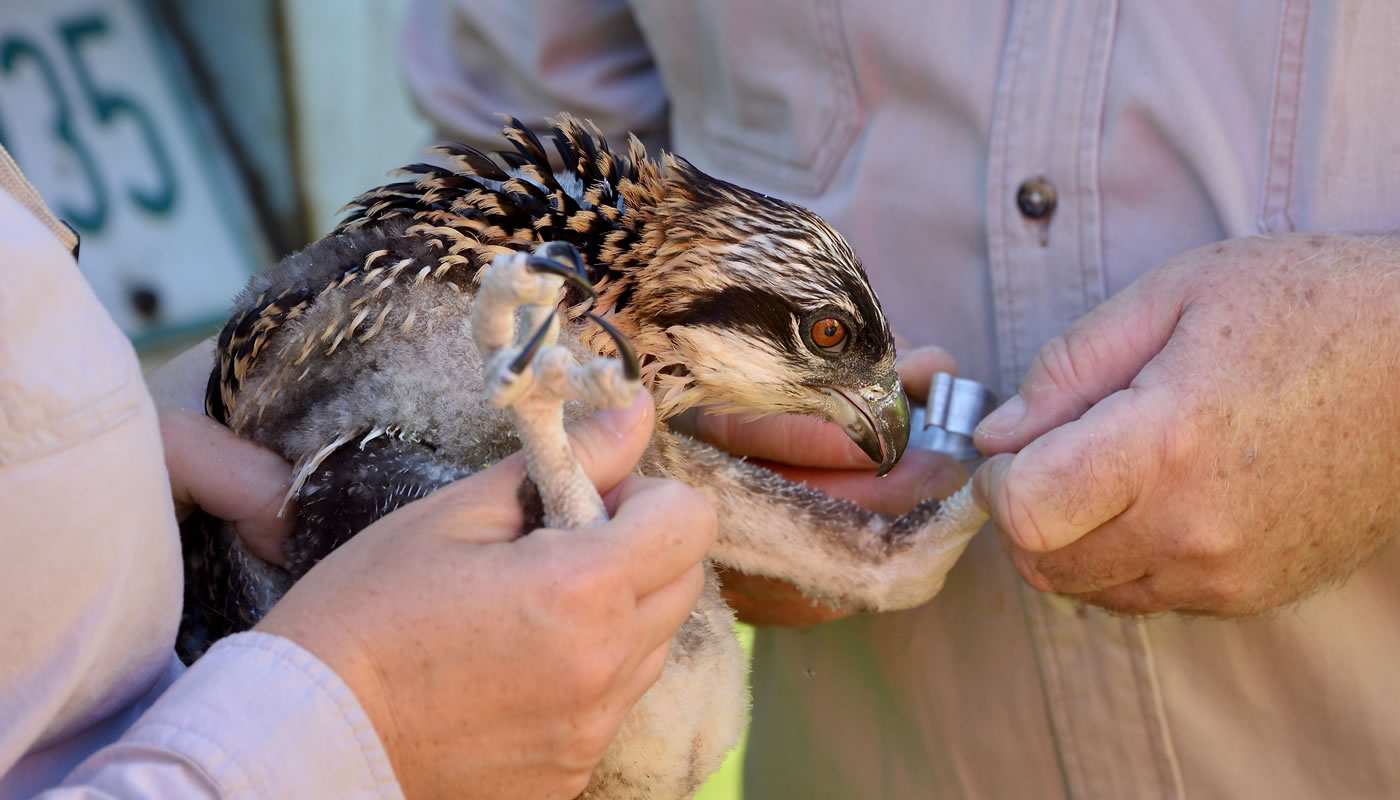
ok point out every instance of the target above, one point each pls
(946, 422)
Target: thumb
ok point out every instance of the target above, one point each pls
(607, 446)
(1100, 354)
(231, 478)
(1080, 475)
(609, 443)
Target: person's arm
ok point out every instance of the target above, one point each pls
(1218, 438)
(257, 716)
(437, 642)
(484, 664)
(500, 666)
(89, 553)
(466, 62)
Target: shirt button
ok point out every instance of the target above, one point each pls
(1036, 199)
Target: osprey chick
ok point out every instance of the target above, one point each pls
(355, 360)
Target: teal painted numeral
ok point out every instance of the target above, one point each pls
(157, 196)
(17, 49)
(110, 105)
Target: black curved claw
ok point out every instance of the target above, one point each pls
(631, 366)
(531, 347)
(553, 267)
(561, 251)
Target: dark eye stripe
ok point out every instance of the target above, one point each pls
(757, 311)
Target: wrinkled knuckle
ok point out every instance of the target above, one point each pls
(1020, 513)
(1063, 361)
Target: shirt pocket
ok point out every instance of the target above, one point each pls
(1333, 158)
(757, 88)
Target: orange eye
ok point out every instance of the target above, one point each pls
(828, 333)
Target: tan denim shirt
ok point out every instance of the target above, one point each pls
(1162, 125)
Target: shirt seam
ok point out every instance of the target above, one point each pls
(1154, 711)
(1087, 175)
(1283, 119)
(13, 181)
(1033, 605)
(998, 235)
(1070, 757)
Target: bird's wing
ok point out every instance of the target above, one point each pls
(228, 589)
(356, 484)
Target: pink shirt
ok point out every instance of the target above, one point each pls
(92, 699)
(912, 127)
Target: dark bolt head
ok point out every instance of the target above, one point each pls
(145, 300)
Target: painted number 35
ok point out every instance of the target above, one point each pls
(156, 194)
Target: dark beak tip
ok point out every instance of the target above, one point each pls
(893, 454)
(898, 439)
(881, 430)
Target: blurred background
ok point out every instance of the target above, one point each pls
(193, 142)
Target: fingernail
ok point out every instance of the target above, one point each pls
(1005, 419)
(622, 421)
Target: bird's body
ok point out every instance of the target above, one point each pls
(355, 360)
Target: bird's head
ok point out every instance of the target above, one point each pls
(734, 301)
(746, 304)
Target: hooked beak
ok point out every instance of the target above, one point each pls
(876, 417)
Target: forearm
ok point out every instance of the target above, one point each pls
(256, 717)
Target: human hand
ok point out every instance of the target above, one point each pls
(817, 453)
(500, 667)
(213, 469)
(1218, 438)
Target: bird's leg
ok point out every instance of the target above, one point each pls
(533, 378)
(834, 551)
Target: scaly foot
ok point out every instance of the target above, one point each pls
(533, 378)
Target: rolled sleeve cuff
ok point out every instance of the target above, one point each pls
(256, 717)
